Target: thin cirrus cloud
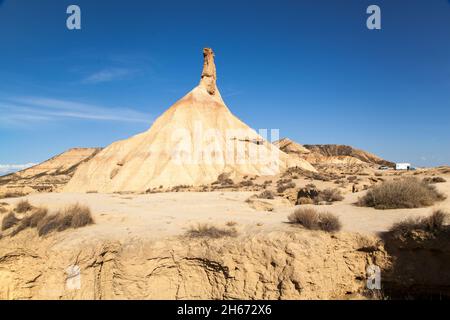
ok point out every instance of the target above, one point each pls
(108, 75)
(34, 109)
(10, 168)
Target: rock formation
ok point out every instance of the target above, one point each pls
(296, 265)
(209, 76)
(335, 150)
(50, 175)
(192, 143)
(330, 154)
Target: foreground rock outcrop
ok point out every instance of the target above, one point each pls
(278, 265)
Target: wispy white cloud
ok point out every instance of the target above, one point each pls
(10, 168)
(108, 75)
(33, 109)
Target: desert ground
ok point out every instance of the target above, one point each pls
(168, 214)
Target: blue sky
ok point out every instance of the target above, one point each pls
(309, 68)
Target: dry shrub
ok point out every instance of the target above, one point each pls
(12, 195)
(31, 221)
(231, 223)
(9, 221)
(23, 206)
(246, 183)
(329, 195)
(207, 231)
(266, 194)
(283, 187)
(313, 220)
(284, 181)
(224, 180)
(433, 224)
(75, 216)
(404, 193)
(434, 180)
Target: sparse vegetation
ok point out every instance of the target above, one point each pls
(313, 220)
(75, 216)
(224, 180)
(284, 185)
(266, 194)
(231, 223)
(207, 231)
(329, 195)
(434, 180)
(31, 221)
(9, 221)
(23, 206)
(246, 183)
(12, 195)
(403, 193)
(432, 224)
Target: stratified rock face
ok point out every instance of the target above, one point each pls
(291, 147)
(192, 143)
(49, 175)
(335, 150)
(297, 265)
(331, 154)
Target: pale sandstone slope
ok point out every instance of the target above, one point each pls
(49, 175)
(193, 142)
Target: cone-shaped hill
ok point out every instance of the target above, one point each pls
(192, 143)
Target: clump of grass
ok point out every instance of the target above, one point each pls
(408, 192)
(9, 221)
(231, 223)
(207, 231)
(283, 187)
(434, 180)
(31, 221)
(266, 194)
(329, 195)
(224, 180)
(75, 216)
(246, 183)
(432, 224)
(23, 206)
(12, 195)
(313, 220)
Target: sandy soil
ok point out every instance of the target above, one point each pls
(161, 215)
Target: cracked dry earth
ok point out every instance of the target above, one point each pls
(277, 265)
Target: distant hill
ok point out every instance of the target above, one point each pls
(337, 150)
(49, 175)
(331, 154)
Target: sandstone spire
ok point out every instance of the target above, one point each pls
(209, 76)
